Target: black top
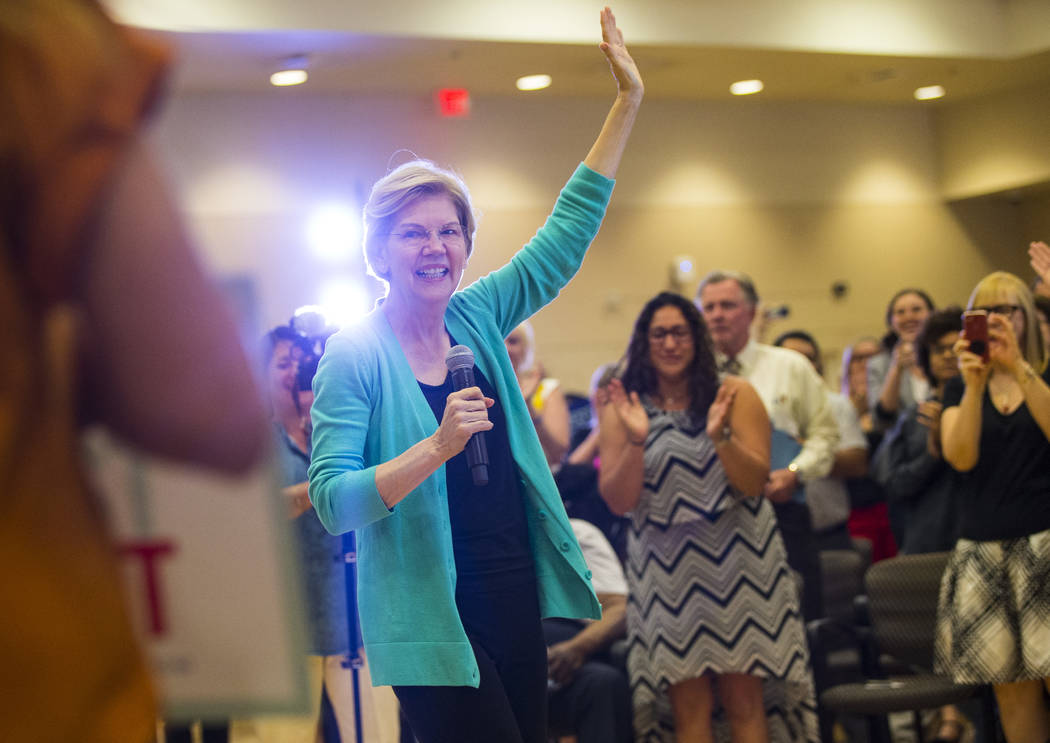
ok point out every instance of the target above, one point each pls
(490, 536)
(921, 489)
(1007, 494)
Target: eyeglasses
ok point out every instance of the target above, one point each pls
(939, 349)
(451, 234)
(1001, 309)
(680, 333)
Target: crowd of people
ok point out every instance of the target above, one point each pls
(663, 598)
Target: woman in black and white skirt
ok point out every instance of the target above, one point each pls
(994, 614)
(716, 642)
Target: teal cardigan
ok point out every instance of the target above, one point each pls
(368, 409)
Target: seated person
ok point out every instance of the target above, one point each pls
(589, 695)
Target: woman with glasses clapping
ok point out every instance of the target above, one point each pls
(688, 459)
(454, 575)
(994, 610)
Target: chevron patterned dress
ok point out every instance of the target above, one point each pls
(710, 590)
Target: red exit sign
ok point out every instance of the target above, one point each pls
(453, 102)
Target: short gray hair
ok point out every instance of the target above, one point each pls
(400, 188)
(742, 279)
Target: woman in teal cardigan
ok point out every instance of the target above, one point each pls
(453, 577)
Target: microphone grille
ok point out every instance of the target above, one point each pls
(459, 357)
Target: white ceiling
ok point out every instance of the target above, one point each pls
(808, 50)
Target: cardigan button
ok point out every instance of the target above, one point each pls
(588, 575)
(541, 515)
(564, 546)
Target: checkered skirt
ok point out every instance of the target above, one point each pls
(993, 617)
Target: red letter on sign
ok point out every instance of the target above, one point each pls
(150, 551)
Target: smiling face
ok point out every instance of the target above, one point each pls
(907, 316)
(425, 254)
(671, 346)
(282, 370)
(728, 315)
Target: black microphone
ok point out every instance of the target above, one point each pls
(460, 363)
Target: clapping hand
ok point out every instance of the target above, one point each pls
(718, 413)
(904, 354)
(628, 409)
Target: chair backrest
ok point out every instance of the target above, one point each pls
(902, 596)
(842, 580)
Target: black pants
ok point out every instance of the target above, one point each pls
(595, 705)
(510, 703)
(797, 532)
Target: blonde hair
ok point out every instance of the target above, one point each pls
(990, 291)
(402, 187)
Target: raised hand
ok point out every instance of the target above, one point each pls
(628, 409)
(719, 412)
(628, 79)
(1039, 253)
(466, 413)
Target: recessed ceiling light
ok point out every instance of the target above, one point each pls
(746, 87)
(288, 77)
(533, 82)
(929, 92)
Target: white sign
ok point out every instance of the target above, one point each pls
(210, 567)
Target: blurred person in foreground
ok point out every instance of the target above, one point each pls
(106, 309)
(994, 610)
(454, 575)
(687, 456)
(543, 395)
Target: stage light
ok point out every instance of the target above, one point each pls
(929, 92)
(291, 71)
(746, 87)
(533, 82)
(334, 234)
(285, 78)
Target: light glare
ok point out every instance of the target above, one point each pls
(343, 301)
(285, 78)
(333, 232)
(533, 82)
(746, 87)
(929, 92)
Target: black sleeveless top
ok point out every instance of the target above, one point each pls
(490, 537)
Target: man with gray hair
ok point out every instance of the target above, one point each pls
(804, 431)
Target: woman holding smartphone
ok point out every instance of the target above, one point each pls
(994, 610)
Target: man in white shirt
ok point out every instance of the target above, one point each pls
(804, 431)
(828, 497)
(589, 693)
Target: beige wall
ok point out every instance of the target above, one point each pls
(996, 143)
(799, 195)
